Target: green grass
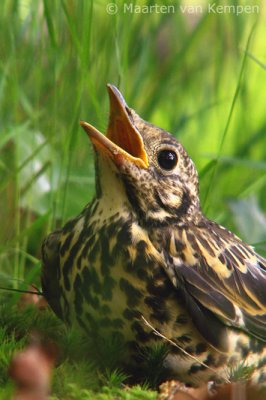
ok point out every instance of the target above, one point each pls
(201, 76)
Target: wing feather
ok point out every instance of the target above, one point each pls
(222, 279)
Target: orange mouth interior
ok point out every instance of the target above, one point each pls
(123, 141)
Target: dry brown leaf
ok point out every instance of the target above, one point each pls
(174, 390)
(31, 370)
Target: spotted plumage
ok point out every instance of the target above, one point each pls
(143, 248)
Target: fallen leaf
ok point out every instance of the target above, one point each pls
(31, 370)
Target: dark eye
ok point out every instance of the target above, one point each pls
(167, 159)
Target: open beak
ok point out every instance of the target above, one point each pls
(123, 142)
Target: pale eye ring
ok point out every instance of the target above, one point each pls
(167, 159)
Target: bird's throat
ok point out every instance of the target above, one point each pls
(109, 186)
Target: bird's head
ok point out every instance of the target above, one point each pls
(158, 177)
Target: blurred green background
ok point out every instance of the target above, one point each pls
(200, 75)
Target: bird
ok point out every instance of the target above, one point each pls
(142, 263)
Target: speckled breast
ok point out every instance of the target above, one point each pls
(111, 274)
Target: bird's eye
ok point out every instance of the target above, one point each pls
(167, 159)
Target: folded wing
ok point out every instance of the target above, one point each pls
(222, 279)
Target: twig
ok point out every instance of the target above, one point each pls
(181, 349)
(38, 292)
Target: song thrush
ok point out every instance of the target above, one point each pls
(143, 248)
